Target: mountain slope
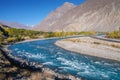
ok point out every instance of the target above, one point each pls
(15, 25)
(97, 15)
(54, 16)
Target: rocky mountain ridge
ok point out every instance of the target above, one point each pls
(92, 15)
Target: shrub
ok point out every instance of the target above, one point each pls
(114, 34)
(11, 39)
(96, 42)
(1, 40)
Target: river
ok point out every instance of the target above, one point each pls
(66, 62)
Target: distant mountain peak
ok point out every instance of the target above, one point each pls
(15, 24)
(54, 16)
(68, 4)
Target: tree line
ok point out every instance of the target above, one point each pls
(8, 35)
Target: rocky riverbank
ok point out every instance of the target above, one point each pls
(14, 69)
(92, 47)
(9, 71)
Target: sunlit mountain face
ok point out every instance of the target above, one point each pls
(54, 16)
(94, 15)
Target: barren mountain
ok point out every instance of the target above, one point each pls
(54, 16)
(92, 15)
(15, 25)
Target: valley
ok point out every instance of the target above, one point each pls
(66, 40)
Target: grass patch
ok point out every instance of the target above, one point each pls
(116, 46)
(96, 42)
(114, 34)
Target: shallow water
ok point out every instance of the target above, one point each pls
(67, 62)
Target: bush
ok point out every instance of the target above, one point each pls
(115, 34)
(87, 33)
(96, 42)
(1, 40)
(11, 39)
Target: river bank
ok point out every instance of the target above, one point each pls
(92, 47)
(13, 68)
(9, 71)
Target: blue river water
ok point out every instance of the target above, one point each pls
(67, 62)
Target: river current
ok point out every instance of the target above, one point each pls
(47, 53)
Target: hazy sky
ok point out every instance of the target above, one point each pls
(29, 11)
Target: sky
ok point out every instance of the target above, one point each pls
(29, 12)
